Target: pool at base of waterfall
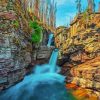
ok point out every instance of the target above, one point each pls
(43, 91)
(55, 91)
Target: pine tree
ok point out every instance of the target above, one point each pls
(99, 7)
(91, 5)
(78, 2)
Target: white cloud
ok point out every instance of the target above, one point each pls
(62, 2)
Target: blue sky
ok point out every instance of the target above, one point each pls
(66, 10)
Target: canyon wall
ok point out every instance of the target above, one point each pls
(85, 58)
(15, 47)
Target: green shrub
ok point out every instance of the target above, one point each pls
(16, 23)
(36, 36)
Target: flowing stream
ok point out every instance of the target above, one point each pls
(43, 84)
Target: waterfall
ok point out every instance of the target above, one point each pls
(51, 67)
(54, 55)
(50, 39)
(53, 60)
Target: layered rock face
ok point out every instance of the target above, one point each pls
(14, 55)
(86, 61)
(87, 75)
(81, 64)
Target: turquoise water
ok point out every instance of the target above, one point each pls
(53, 60)
(41, 87)
(44, 84)
(50, 39)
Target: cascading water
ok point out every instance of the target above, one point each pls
(44, 84)
(53, 60)
(50, 39)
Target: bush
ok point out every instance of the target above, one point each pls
(36, 36)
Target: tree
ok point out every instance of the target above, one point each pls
(78, 2)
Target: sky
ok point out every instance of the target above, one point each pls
(66, 10)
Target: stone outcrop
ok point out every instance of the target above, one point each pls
(81, 93)
(87, 75)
